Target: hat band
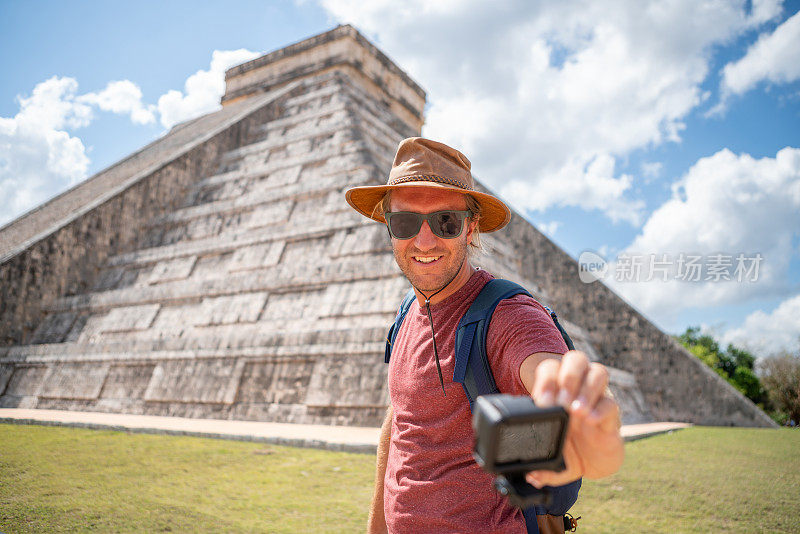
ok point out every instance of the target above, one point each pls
(430, 178)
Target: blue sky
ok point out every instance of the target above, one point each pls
(627, 127)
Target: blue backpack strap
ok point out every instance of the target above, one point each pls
(472, 368)
(473, 372)
(564, 334)
(398, 321)
(562, 499)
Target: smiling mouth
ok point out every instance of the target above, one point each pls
(426, 259)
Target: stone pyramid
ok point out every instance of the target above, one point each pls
(218, 272)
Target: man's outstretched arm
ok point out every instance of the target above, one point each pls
(377, 520)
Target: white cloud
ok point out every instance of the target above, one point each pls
(589, 185)
(53, 106)
(37, 156)
(549, 228)
(122, 97)
(764, 10)
(725, 204)
(766, 334)
(774, 57)
(545, 97)
(40, 156)
(652, 170)
(202, 90)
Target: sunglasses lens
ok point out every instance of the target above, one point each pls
(405, 225)
(447, 224)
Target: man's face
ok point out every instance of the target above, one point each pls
(428, 261)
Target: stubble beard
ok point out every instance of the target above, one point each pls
(431, 282)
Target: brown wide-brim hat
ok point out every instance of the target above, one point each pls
(424, 163)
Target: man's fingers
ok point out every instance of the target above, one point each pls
(605, 415)
(573, 471)
(592, 390)
(545, 385)
(561, 382)
(571, 376)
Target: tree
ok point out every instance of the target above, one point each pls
(746, 381)
(733, 364)
(742, 357)
(781, 379)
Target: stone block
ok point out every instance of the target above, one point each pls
(305, 252)
(77, 328)
(277, 178)
(304, 305)
(25, 402)
(364, 297)
(6, 370)
(54, 328)
(129, 318)
(347, 381)
(233, 309)
(127, 381)
(167, 271)
(193, 381)
(26, 380)
(282, 382)
(299, 147)
(202, 227)
(109, 278)
(359, 240)
(269, 214)
(74, 381)
(211, 266)
(256, 257)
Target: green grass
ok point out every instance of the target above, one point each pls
(700, 480)
(55, 479)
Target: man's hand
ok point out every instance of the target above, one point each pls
(594, 446)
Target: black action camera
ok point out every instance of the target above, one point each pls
(513, 437)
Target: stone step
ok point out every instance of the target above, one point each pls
(323, 86)
(289, 122)
(294, 137)
(235, 240)
(310, 137)
(340, 154)
(306, 381)
(258, 193)
(237, 319)
(367, 104)
(331, 336)
(275, 279)
(346, 105)
(340, 90)
(87, 353)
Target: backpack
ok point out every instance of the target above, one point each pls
(473, 372)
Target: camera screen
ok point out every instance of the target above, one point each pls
(528, 442)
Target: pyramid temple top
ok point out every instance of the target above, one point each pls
(342, 48)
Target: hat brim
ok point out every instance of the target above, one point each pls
(364, 199)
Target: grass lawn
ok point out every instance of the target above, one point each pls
(55, 479)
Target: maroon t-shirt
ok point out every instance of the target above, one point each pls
(432, 483)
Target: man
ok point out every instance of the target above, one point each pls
(426, 479)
